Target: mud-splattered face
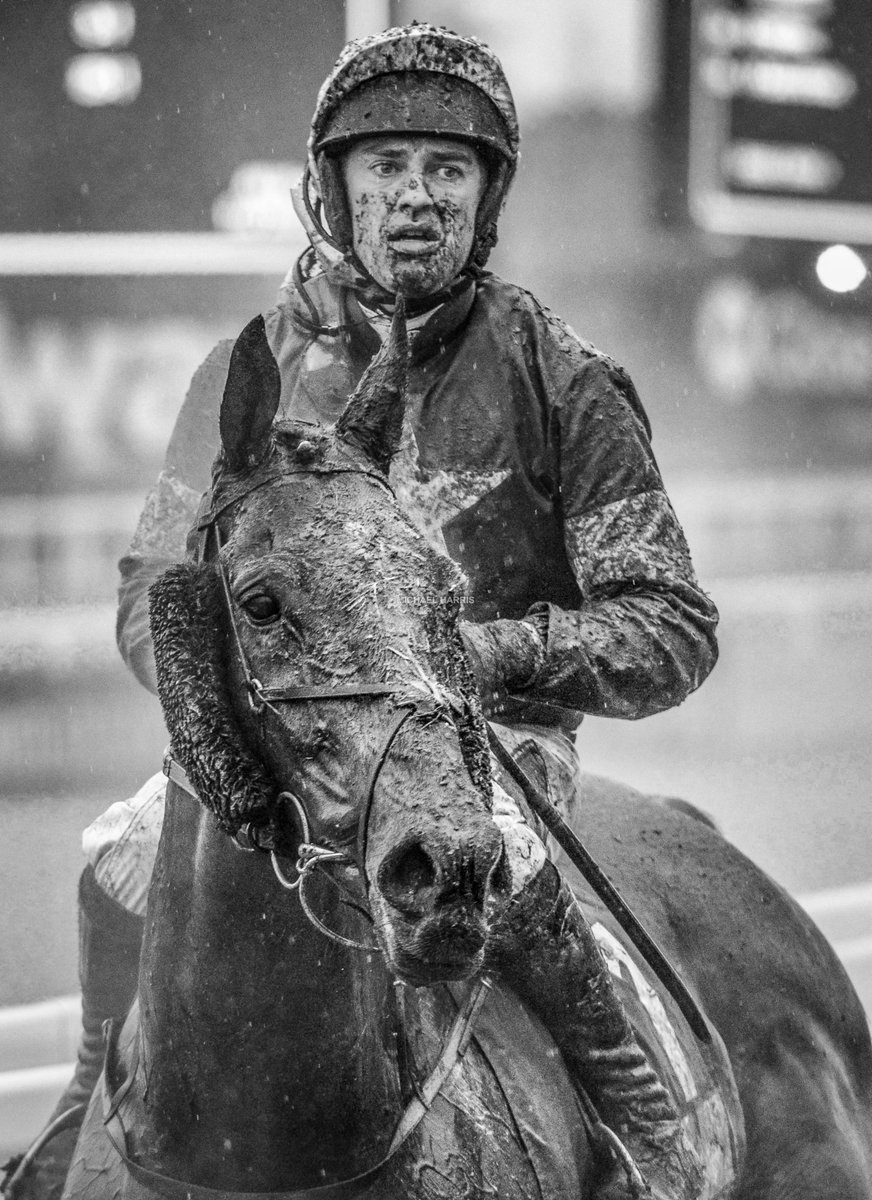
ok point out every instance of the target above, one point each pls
(413, 203)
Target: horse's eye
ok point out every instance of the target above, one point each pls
(261, 608)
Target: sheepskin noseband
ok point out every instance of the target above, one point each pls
(205, 735)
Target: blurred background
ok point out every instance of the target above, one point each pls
(695, 197)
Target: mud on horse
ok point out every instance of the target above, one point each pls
(318, 698)
(319, 702)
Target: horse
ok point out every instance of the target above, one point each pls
(315, 1017)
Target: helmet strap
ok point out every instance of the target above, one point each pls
(340, 266)
(314, 210)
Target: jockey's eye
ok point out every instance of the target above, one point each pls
(261, 608)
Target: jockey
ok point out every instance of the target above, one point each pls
(526, 457)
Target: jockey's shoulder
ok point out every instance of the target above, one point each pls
(553, 339)
(517, 304)
(311, 304)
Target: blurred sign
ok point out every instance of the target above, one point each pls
(780, 97)
(177, 124)
(92, 404)
(750, 342)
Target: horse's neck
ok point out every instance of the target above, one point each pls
(268, 1051)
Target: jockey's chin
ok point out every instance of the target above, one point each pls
(420, 275)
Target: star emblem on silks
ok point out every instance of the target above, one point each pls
(432, 498)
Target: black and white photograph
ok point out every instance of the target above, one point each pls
(435, 600)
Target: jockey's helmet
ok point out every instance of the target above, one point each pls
(415, 79)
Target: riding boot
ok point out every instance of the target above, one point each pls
(546, 951)
(110, 940)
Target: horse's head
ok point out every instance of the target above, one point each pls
(339, 670)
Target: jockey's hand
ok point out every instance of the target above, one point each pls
(504, 656)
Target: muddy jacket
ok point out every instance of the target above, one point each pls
(526, 456)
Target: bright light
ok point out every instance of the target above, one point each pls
(102, 24)
(841, 269)
(97, 79)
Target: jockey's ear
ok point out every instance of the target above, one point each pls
(251, 399)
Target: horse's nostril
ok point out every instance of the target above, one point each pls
(407, 872)
(415, 869)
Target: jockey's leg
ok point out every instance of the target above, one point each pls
(113, 890)
(546, 951)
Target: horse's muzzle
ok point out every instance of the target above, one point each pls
(437, 950)
(418, 880)
(433, 902)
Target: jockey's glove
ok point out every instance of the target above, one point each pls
(504, 656)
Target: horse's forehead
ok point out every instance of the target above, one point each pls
(343, 518)
(331, 503)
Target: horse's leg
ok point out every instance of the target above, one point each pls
(808, 1136)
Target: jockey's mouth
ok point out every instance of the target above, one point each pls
(414, 239)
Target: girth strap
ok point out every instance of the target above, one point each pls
(167, 1188)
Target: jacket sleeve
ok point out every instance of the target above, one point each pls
(643, 637)
(170, 511)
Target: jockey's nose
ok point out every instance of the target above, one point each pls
(416, 879)
(414, 196)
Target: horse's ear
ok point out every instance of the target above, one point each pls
(251, 398)
(373, 417)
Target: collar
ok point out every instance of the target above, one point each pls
(381, 321)
(320, 308)
(438, 326)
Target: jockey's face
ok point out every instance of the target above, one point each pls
(413, 202)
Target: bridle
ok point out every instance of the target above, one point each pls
(421, 697)
(429, 701)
